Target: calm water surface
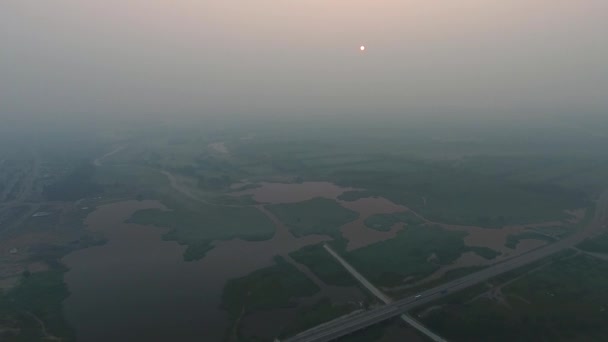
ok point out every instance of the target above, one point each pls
(138, 288)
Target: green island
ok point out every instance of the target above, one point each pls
(514, 239)
(316, 216)
(596, 245)
(198, 228)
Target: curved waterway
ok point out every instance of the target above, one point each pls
(137, 287)
(293, 192)
(359, 235)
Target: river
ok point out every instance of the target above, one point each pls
(137, 287)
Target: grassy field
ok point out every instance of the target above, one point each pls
(74, 186)
(597, 245)
(129, 179)
(316, 216)
(489, 190)
(351, 196)
(485, 186)
(448, 276)
(37, 297)
(384, 222)
(312, 315)
(198, 227)
(370, 334)
(11, 214)
(514, 239)
(457, 195)
(488, 174)
(323, 265)
(564, 301)
(36, 301)
(484, 252)
(389, 262)
(268, 288)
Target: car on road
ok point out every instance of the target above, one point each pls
(416, 297)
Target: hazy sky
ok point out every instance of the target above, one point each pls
(288, 57)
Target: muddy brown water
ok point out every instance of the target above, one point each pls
(293, 192)
(359, 235)
(138, 288)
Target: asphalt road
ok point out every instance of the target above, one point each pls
(347, 325)
(383, 297)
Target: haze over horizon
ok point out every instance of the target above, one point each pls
(162, 58)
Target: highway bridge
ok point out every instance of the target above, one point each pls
(351, 323)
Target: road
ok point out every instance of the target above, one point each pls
(360, 278)
(382, 296)
(347, 325)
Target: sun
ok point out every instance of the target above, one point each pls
(362, 47)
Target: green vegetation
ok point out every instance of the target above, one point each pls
(315, 216)
(448, 276)
(35, 301)
(32, 310)
(15, 189)
(369, 334)
(559, 232)
(323, 265)
(491, 184)
(78, 184)
(351, 196)
(245, 187)
(125, 180)
(214, 183)
(458, 193)
(195, 250)
(44, 223)
(597, 245)
(389, 262)
(312, 315)
(235, 200)
(563, 301)
(504, 277)
(384, 222)
(198, 228)
(484, 252)
(268, 288)
(513, 239)
(498, 178)
(9, 215)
